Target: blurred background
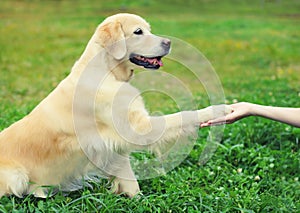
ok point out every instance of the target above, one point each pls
(253, 45)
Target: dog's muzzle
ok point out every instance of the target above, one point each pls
(154, 62)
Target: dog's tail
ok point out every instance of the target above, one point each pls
(13, 178)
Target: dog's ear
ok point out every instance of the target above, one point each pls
(112, 39)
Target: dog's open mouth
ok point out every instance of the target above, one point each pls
(147, 62)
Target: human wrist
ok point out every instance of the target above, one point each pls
(253, 109)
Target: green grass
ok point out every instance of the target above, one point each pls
(254, 48)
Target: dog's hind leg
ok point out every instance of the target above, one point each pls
(13, 178)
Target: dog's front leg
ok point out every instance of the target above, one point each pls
(184, 121)
(147, 130)
(124, 180)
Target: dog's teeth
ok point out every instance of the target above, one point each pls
(153, 61)
(139, 57)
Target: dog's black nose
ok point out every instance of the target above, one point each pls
(166, 44)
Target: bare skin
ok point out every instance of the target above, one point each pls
(241, 110)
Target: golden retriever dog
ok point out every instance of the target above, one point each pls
(58, 142)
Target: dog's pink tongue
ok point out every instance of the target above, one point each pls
(160, 63)
(153, 60)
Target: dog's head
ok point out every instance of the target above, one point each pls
(127, 38)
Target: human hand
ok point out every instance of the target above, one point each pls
(239, 111)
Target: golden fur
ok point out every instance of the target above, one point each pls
(44, 148)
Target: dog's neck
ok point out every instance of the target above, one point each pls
(122, 72)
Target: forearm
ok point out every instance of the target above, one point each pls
(286, 115)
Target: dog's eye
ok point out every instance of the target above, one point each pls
(138, 31)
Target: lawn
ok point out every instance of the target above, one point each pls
(253, 47)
